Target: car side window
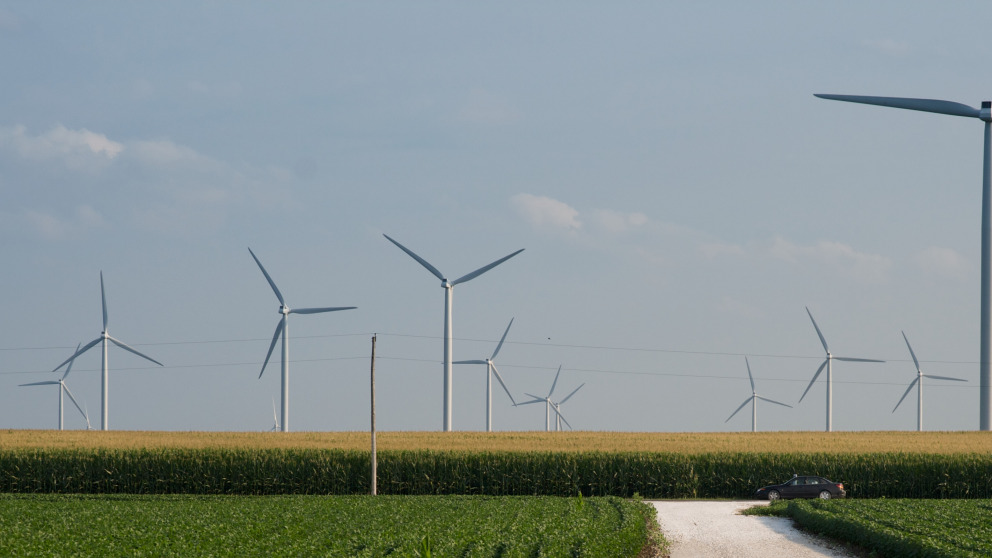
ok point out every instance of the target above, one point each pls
(813, 481)
(792, 482)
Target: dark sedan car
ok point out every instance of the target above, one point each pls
(802, 487)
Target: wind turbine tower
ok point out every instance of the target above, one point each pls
(985, 115)
(448, 286)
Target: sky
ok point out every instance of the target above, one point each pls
(680, 195)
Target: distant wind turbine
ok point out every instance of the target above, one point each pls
(985, 115)
(275, 418)
(490, 370)
(827, 362)
(282, 329)
(448, 287)
(753, 400)
(919, 383)
(550, 405)
(104, 337)
(63, 389)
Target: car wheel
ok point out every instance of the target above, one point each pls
(825, 495)
(773, 495)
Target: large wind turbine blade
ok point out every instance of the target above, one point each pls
(320, 310)
(275, 338)
(124, 346)
(944, 378)
(272, 283)
(86, 414)
(469, 362)
(502, 383)
(744, 404)
(910, 388)
(849, 359)
(570, 394)
(916, 362)
(772, 401)
(103, 299)
(69, 368)
(483, 269)
(45, 383)
(749, 376)
(561, 416)
(554, 383)
(78, 352)
(535, 400)
(815, 376)
(496, 352)
(925, 105)
(422, 261)
(822, 340)
(73, 399)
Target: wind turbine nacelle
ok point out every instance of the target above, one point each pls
(986, 113)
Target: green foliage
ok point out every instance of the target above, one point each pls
(345, 526)
(896, 528)
(262, 471)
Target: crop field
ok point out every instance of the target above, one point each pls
(345, 526)
(895, 528)
(568, 442)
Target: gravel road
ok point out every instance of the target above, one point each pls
(715, 529)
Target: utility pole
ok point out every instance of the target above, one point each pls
(372, 374)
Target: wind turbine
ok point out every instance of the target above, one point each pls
(275, 418)
(919, 381)
(753, 400)
(490, 370)
(448, 286)
(282, 329)
(827, 362)
(550, 405)
(63, 389)
(985, 115)
(104, 337)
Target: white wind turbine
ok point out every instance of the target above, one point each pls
(753, 400)
(827, 362)
(919, 383)
(282, 330)
(490, 370)
(275, 417)
(985, 115)
(104, 337)
(550, 405)
(448, 287)
(63, 389)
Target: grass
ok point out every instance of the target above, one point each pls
(925, 528)
(564, 442)
(346, 526)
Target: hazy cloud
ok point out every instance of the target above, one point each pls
(484, 107)
(80, 150)
(871, 268)
(51, 226)
(888, 46)
(542, 211)
(945, 262)
(618, 222)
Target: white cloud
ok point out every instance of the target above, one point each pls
(80, 150)
(543, 211)
(870, 268)
(945, 262)
(53, 227)
(717, 249)
(618, 222)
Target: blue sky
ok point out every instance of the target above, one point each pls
(680, 193)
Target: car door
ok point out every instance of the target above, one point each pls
(794, 488)
(813, 487)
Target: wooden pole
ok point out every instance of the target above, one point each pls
(372, 374)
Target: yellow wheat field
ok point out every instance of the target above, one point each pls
(706, 442)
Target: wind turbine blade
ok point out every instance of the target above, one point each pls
(73, 399)
(275, 338)
(849, 359)
(944, 378)
(272, 283)
(422, 261)
(561, 416)
(496, 352)
(822, 340)
(103, 299)
(86, 413)
(320, 310)
(925, 105)
(124, 346)
(275, 416)
(815, 376)
(554, 383)
(502, 383)
(916, 362)
(910, 388)
(571, 394)
(772, 401)
(749, 376)
(79, 352)
(46, 383)
(484, 269)
(469, 362)
(744, 404)
(69, 368)
(535, 400)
